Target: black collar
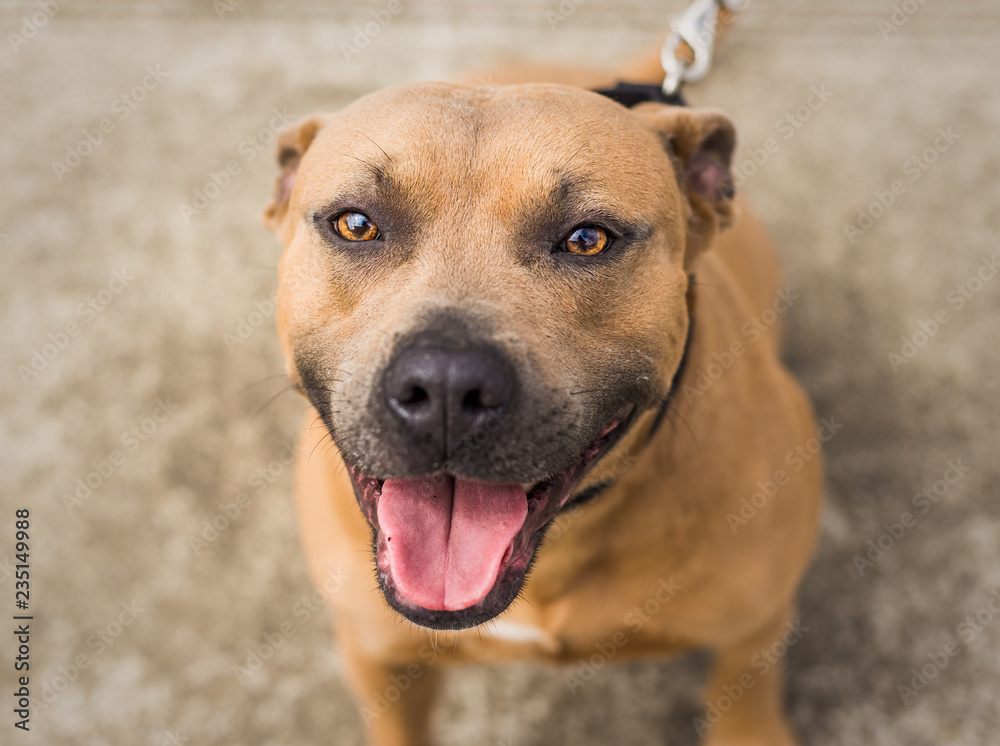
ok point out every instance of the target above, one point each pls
(632, 94)
(661, 413)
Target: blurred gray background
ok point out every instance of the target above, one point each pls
(139, 355)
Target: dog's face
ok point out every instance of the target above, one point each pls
(482, 289)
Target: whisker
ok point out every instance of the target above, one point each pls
(343, 464)
(260, 382)
(387, 156)
(313, 450)
(316, 388)
(375, 169)
(670, 419)
(328, 380)
(673, 408)
(270, 401)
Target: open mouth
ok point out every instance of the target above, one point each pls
(452, 553)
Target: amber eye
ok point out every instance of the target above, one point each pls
(355, 226)
(587, 240)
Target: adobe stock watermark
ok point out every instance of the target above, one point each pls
(31, 26)
(363, 35)
(914, 168)
(901, 14)
(231, 511)
(249, 148)
(302, 610)
(957, 299)
(565, 10)
(937, 660)
(121, 108)
(796, 460)
(786, 127)
(174, 739)
(251, 322)
(752, 331)
(635, 620)
(400, 683)
(223, 8)
(86, 486)
(84, 314)
(894, 531)
(97, 644)
(6, 570)
(762, 663)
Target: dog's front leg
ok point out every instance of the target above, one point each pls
(394, 699)
(744, 697)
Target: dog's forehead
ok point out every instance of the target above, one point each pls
(458, 115)
(539, 134)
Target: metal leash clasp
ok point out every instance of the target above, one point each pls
(696, 28)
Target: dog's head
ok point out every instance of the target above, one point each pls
(482, 291)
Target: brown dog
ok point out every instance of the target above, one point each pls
(493, 297)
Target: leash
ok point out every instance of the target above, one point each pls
(686, 54)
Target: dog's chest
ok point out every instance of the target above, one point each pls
(512, 637)
(518, 633)
(524, 633)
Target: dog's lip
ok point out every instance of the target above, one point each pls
(589, 456)
(545, 499)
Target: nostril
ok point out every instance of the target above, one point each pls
(415, 397)
(473, 401)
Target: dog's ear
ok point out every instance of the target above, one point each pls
(292, 143)
(700, 142)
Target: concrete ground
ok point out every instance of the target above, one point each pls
(139, 355)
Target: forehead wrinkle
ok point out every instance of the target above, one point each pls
(566, 187)
(563, 193)
(376, 176)
(388, 158)
(377, 173)
(550, 179)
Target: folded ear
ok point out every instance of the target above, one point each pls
(700, 142)
(292, 143)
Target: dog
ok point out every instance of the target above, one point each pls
(526, 320)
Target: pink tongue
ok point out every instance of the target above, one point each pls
(446, 537)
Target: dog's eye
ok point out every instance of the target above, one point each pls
(587, 240)
(355, 226)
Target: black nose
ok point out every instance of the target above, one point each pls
(443, 395)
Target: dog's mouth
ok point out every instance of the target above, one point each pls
(451, 552)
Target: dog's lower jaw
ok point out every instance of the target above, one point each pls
(503, 593)
(544, 502)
